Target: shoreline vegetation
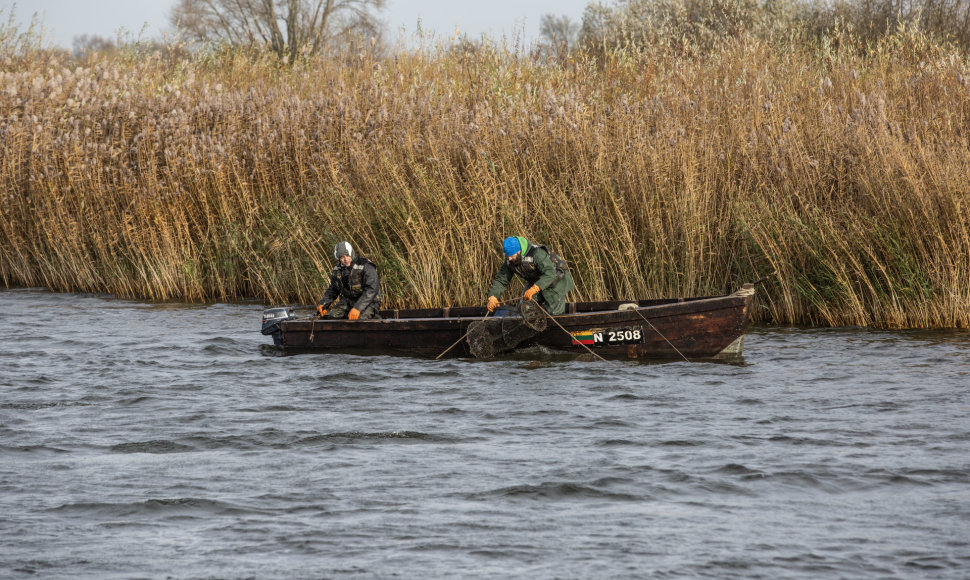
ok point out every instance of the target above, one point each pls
(835, 165)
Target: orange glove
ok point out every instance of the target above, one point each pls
(492, 303)
(532, 291)
(321, 310)
(354, 314)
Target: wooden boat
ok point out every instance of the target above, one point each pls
(674, 328)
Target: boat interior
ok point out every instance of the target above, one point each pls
(571, 308)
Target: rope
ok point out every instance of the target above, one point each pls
(637, 310)
(552, 318)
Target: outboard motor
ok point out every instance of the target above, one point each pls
(272, 317)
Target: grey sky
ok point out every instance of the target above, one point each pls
(64, 19)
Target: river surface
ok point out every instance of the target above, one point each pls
(171, 441)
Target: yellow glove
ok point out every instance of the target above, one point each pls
(532, 291)
(492, 303)
(354, 314)
(321, 310)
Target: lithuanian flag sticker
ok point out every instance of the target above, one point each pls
(587, 337)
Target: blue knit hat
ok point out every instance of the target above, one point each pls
(511, 246)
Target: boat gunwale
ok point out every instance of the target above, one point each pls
(678, 306)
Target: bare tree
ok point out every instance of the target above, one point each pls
(559, 32)
(283, 26)
(84, 45)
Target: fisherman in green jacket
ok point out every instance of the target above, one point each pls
(545, 272)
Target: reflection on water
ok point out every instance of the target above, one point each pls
(141, 440)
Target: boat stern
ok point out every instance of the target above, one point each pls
(272, 321)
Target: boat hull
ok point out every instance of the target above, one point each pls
(707, 327)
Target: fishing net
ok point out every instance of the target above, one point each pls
(481, 342)
(506, 330)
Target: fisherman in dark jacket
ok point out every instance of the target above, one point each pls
(354, 280)
(545, 273)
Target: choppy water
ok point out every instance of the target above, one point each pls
(169, 441)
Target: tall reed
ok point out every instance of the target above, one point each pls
(839, 169)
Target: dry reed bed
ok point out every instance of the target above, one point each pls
(221, 177)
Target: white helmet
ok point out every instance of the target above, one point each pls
(343, 249)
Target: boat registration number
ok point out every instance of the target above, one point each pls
(608, 336)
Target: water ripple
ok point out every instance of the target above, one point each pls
(182, 445)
